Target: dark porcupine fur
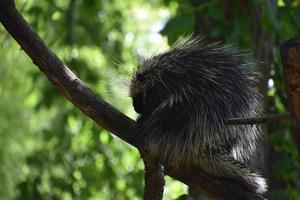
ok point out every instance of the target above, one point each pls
(184, 97)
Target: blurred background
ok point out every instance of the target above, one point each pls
(50, 150)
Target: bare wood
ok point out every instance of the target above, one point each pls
(290, 59)
(100, 111)
(258, 120)
(154, 177)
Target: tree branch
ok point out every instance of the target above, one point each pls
(154, 177)
(290, 58)
(258, 120)
(63, 78)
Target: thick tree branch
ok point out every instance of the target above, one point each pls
(154, 177)
(62, 78)
(290, 58)
(100, 111)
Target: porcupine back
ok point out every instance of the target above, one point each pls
(188, 93)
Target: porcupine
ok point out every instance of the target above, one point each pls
(184, 97)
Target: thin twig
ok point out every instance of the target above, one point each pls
(259, 120)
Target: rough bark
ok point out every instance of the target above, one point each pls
(290, 58)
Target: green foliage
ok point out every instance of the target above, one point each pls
(50, 150)
(14, 130)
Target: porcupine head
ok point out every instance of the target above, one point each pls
(184, 97)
